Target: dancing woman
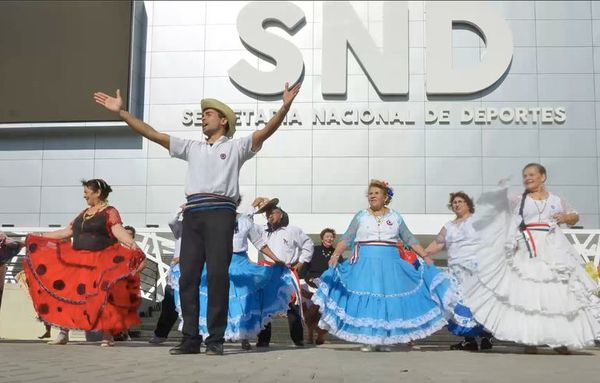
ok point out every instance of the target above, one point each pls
(460, 240)
(529, 286)
(93, 283)
(377, 297)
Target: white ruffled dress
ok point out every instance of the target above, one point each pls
(530, 286)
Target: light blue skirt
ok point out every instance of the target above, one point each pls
(382, 299)
(256, 294)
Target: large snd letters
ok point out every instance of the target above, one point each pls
(386, 67)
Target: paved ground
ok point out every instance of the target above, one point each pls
(139, 362)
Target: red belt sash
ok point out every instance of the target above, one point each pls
(528, 237)
(297, 296)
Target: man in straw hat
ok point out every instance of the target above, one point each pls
(212, 191)
(295, 248)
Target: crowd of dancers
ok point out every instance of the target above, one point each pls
(512, 274)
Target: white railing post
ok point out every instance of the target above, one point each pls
(159, 246)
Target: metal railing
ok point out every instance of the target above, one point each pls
(158, 244)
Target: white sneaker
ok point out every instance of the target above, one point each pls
(157, 340)
(61, 339)
(368, 348)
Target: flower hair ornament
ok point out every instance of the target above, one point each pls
(389, 191)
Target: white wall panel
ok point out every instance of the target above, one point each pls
(283, 171)
(179, 13)
(118, 172)
(455, 143)
(16, 199)
(20, 172)
(571, 171)
(565, 60)
(510, 143)
(177, 64)
(340, 143)
(556, 33)
(567, 143)
(341, 171)
(398, 170)
(293, 199)
(164, 199)
(514, 9)
(562, 10)
(128, 199)
(570, 87)
(453, 171)
(66, 172)
(405, 142)
(288, 143)
(178, 38)
(339, 199)
(62, 199)
(176, 90)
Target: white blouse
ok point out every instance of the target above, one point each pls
(540, 211)
(247, 229)
(460, 241)
(367, 227)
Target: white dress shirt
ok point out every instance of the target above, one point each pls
(290, 244)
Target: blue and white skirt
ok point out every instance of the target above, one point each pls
(462, 322)
(256, 294)
(382, 299)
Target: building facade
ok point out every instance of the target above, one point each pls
(542, 108)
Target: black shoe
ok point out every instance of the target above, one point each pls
(214, 349)
(486, 344)
(465, 346)
(299, 343)
(262, 344)
(246, 345)
(187, 346)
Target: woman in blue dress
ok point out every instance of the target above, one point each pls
(256, 293)
(378, 298)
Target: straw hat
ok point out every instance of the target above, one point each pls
(211, 103)
(266, 204)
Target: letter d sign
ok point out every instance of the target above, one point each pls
(441, 77)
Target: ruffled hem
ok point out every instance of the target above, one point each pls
(329, 305)
(328, 323)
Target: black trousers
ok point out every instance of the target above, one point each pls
(294, 323)
(207, 238)
(168, 315)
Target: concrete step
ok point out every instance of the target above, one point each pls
(280, 333)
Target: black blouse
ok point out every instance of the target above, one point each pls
(318, 264)
(94, 233)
